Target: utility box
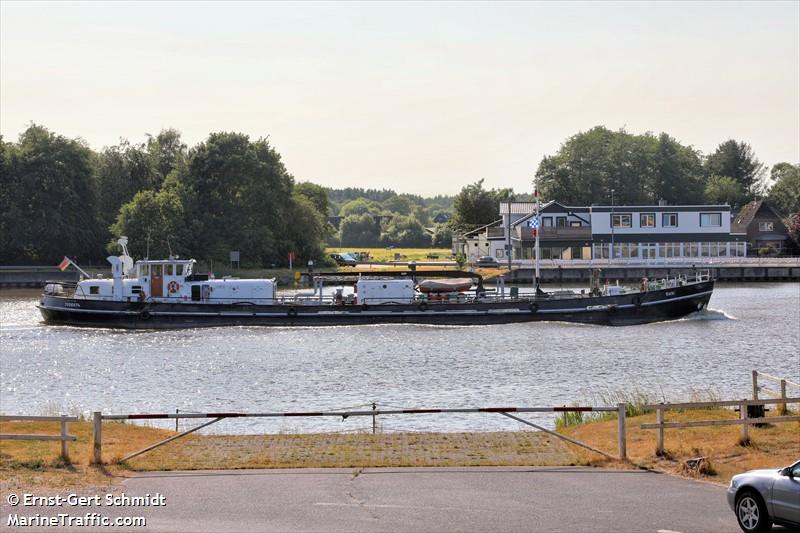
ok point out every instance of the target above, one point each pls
(384, 291)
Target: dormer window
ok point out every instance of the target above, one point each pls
(711, 219)
(766, 226)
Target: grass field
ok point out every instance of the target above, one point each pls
(382, 255)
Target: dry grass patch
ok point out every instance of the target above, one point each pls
(382, 255)
(36, 464)
(772, 446)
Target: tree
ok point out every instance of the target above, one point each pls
(736, 160)
(48, 203)
(360, 206)
(360, 230)
(641, 169)
(121, 172)
(400, 205)
(442, 236)
(166, 152)
(155, 223)
(724, 190)
(316, 193)
(785, 191)
(475, 206)
(309, 226)
(405, 231)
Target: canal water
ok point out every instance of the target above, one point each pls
(50, 370)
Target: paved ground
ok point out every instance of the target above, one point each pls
(406, 499)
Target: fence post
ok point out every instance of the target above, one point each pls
(782, 407)
(755, 384)
(98, 438)
(745, 439)
(660, 437)
(374, 422)
(64, 444)
(623, 453)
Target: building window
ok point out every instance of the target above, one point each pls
(766, 226)
(621, 221)
(711, 219)
(561, 222)
(647, 220)
(669, 220)
(547, 222)
(575, 224)
(94, 289)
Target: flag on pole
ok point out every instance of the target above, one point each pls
(62, 266)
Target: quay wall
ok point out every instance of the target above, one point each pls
(583, 274)
(33, 276)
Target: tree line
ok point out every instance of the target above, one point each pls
(229, 192)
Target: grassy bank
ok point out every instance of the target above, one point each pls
(32, 464)
(382, 255)
(772, 446)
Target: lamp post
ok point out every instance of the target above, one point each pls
(611, 252)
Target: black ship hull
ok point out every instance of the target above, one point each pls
(621, 310)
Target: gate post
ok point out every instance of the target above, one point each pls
(64, 435)
(745, 438)
(660, 437)
(97, 438)
(623, 453)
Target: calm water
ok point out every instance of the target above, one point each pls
(46, 370)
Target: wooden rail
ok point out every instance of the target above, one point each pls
(64, 437)
(744, 420)
(780, 393)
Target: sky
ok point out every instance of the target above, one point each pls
(418, 97)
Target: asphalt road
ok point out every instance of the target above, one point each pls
(407, 499)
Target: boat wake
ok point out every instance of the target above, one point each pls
(710, 314)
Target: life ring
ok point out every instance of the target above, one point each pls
(145, 315)
(423, 306)
(534, 307)
(173, 287)
(292, 312)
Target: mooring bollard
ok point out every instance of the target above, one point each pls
(623, 452)
(97, 438)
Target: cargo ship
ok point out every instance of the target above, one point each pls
(169, 294)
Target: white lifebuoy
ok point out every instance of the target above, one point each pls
(173, 287)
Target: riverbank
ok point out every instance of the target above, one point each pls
(35, 464)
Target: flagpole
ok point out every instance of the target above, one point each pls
(536, 231)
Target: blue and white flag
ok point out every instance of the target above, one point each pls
(533, 222)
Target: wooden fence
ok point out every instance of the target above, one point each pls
(744, 420)
(64, 437)
(780, 392)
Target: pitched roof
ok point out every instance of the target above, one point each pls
(748, 213)
(478, 230)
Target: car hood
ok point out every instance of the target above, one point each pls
(765, 473)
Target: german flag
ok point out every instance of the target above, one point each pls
(64, 264)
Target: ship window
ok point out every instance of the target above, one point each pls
(157, 270)
(647, 220)
(136, 289)
(168, 270)
(179, 270)
(145, 270)
(621, 221)
(94, 289)
(711, 219)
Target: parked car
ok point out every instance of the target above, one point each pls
(344, 259)
(487, 261)
(763, 497)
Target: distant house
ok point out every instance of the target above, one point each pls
(441, 218)
(766, 232)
